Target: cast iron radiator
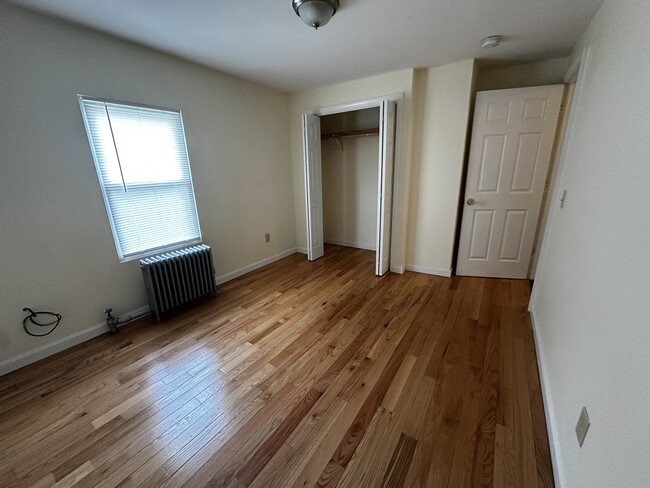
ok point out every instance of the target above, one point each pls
(178, 277)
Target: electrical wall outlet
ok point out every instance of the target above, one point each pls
(582, 426)
(267, 237)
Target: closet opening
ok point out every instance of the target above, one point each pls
(349, 163)
(349, 154)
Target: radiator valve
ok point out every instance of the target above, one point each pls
(111, 321)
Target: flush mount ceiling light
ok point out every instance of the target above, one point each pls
(491, 41)
(315, 13)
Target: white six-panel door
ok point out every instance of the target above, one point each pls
(313, 185)
(385, 184)
(512, 142)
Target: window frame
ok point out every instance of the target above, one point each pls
(102, 184)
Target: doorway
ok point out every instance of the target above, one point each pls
(319, 133)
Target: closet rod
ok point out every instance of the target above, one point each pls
(351, 133)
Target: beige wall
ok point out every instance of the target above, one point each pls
(434, 123)
(350, 191)
(442, 98)
(57, 251)
(377, 86)
(549, 72)
(590, 300)
(354, 120)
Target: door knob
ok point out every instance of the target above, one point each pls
(471, 202)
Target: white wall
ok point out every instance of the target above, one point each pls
(442, 101)
(57, 252)
(548, 72)
(591, 297)
(377, 86)
(350, 191)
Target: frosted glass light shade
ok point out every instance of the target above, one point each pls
(315, 13)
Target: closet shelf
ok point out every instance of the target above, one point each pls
(351, 133)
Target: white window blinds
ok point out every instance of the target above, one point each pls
(144, 172)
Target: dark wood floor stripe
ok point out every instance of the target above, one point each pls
(399, 463)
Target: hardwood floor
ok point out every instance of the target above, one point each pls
(299, 374)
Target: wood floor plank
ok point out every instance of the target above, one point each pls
(330, 476)
(483, 467)
(524, 443)
(399, 463)
(208, 433)
(504, 459)
(366, 468)
(221, 459)
(318, 432)
(272, 444)
(399, 382)
(315, 374)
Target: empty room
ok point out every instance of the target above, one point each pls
(324, 243)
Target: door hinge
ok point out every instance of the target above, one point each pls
(546, 185)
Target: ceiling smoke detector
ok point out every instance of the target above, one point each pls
(491, 41)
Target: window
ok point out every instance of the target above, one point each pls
(144, 173)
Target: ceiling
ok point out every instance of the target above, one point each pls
(264, 40)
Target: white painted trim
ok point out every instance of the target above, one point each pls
(301, 250)
(355, 105)
(252, 267)
(555, 190)
(571, 74)
(549, 411)
(367, 247)
(432, 271)
(397, 269)
(399, 198)
(59, 345)
(547, 199)
(12, 364)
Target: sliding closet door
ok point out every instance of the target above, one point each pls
(385, 190)
(313, 185)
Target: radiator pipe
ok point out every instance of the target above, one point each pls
(112, 322)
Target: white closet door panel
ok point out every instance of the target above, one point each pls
(385, 185)
(313, 186)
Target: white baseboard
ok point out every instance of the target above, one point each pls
(59, 345)
(252, 267)
(12, 364)
(549, 411)
(367, 247)
(397, 269)
(432, 271)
